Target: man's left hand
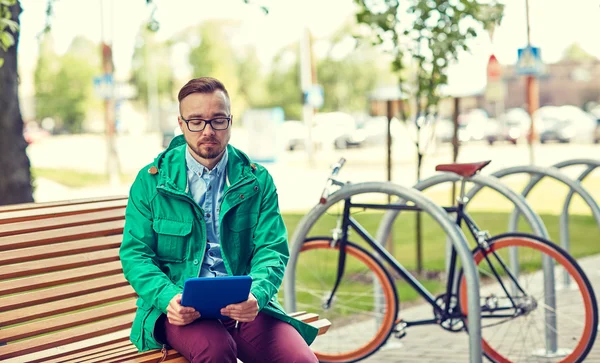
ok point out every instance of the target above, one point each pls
(244, 312)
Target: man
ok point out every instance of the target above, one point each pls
(203, 209)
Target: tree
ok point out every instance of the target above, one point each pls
(15, 182)
(46, 71)
(575, 53)
(283, 83)
(151, 57)
(63, 84)
(214, 57)
(15, 187)
(361, 68)
(250, 75)
(429, 34)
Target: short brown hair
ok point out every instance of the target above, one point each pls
(201, 85)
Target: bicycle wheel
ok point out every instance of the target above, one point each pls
(517, 308)
(360, 325)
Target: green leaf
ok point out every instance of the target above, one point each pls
(1, 62)
(6, 40)
(12, 25)
(8, 2)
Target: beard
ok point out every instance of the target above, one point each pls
(208, 151)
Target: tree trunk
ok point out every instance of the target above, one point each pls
(15, 176)
(419, 221)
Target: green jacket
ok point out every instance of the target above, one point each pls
(165, 234)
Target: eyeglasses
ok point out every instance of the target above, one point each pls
(217, 123)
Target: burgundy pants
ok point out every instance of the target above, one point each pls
(266, 339)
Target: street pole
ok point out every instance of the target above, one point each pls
(390, 116)
(112, 161)
(306, 82)
(532, 93)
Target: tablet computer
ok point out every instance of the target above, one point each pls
(208, 295)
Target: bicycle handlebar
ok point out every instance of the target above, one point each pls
(337, 166)
(335, 169)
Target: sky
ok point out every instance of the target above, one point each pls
(555, 24)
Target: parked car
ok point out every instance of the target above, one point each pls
(294, 134)
(511, 126)
(564, 124)
(477, 125)
(337, 129)
(444, 131)
(595, 112)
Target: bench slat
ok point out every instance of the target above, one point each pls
(154, 356)
(34, 239)
(16, 316)
(60, 249)
(58, 263)
(106, 355)
(36, 205)
(62, 352)
(322, 324)
(67, 336)
(118, 356)
(59, 211)
(62, 222)
(66, 321)
(307, 317)
(88, 352)
(61, 292)
(59, 277)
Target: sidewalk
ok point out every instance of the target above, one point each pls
(432, 344)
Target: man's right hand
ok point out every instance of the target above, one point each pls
(180, 315)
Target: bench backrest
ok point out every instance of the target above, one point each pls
(62, 291)
(60, 276)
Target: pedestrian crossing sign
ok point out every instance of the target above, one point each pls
(529, 61)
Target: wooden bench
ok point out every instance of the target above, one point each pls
(63, 297)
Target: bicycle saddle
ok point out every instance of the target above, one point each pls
(466, 170)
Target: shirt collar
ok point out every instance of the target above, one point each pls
(194, 166)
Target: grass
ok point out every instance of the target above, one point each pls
(321, 266)
(73, 178)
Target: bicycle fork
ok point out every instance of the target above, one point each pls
(340, 241)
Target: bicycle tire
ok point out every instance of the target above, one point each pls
(390, 295)
(560, 256)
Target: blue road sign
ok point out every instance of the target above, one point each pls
(529, 61)
(314, 96)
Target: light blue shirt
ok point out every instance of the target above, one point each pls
(206, 188)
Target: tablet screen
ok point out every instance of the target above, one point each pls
(208, 295)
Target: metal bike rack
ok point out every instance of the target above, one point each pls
(534, 220)
(537, 173)
(564, 216)
(428, 206)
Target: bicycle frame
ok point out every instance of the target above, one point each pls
(440, 313)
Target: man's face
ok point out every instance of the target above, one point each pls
(209, 143)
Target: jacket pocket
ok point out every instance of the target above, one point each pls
(142, 330)
(172, 238)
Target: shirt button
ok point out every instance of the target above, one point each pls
(195, 262)
(211, 268)
(242, 196)
(208, 215)
(211, 254)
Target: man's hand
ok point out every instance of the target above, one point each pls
(245, 311)
(180, 315)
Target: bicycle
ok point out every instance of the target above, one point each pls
(362, 280)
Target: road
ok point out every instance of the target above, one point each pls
(299, 183)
